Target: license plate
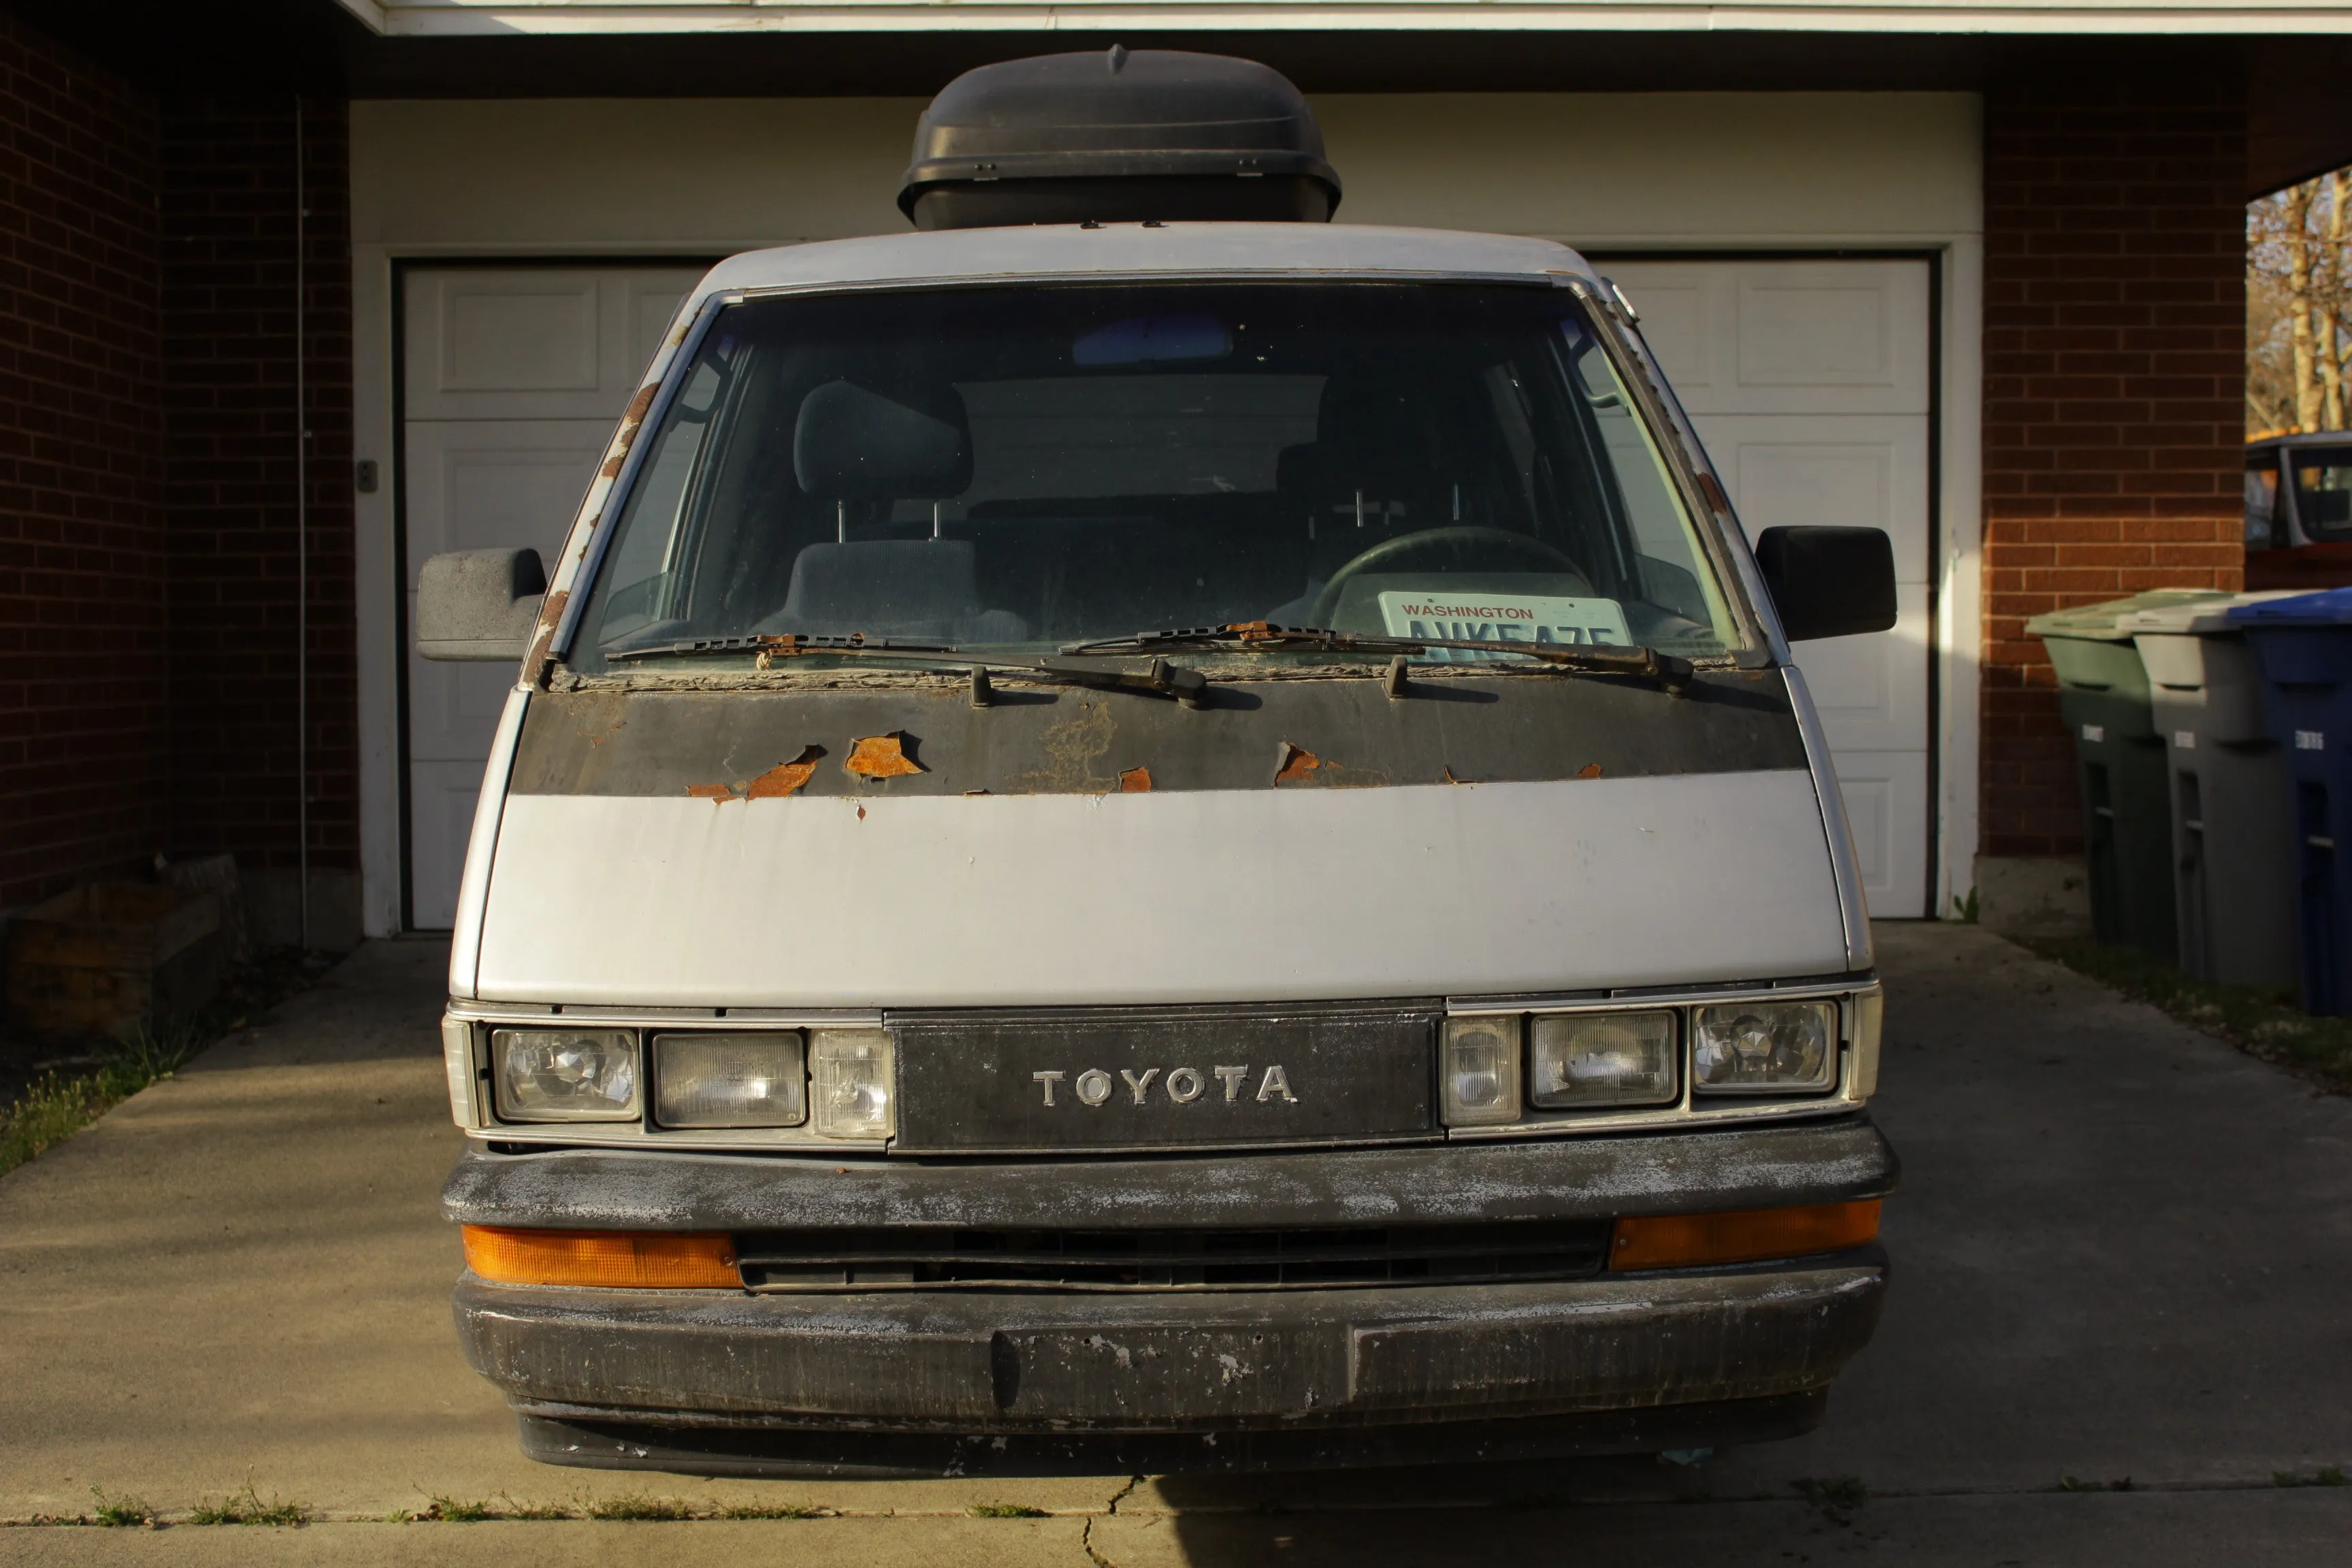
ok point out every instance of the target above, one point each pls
(1503, 617)
(1110, 1078)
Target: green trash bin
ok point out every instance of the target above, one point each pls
(2119, 765)
(2233, 863)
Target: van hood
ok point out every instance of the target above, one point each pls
(652, 853)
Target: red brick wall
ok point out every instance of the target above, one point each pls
(83, 657)
(229, 210)
(2113, 366)
(148, 594)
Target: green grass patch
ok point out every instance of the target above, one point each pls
(1006, 1510)
(247, 1508)
(57, 1105)
(457, 1510)
(2264, 1024)
(120, 1512)
(1836, 1496)
(634, 1506)
(514, 1509)
(2332, 1476)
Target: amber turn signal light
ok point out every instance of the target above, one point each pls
(1741, 1236)
(619, 1260)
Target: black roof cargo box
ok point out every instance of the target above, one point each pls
(1118, 137)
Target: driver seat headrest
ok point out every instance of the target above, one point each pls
(851, 443)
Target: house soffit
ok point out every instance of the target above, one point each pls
(584, 18)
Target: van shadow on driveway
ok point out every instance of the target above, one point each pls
(2120, 1254)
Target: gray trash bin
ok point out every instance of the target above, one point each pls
(2233, 863)
(2119, 764)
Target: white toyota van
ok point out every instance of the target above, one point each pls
(1141, 831)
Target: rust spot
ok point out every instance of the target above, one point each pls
(719, 792)
(1449, 777)
(1134, 781)
(881, 757)
(1712, 489)
(785, 778)
(1297, 763)
(537, 665)
(1589, 771)
(636, 412)
(612, 469)
(861, 814)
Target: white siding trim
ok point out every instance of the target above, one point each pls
(573, 18)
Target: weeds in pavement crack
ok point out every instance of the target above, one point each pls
(247, 1508)
(636, 1506)
(122, 1513)
(2332, 1476)
(534, 1510)
(1837, 1497)
(456, 1510)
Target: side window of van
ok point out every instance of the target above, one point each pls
(2323, 491)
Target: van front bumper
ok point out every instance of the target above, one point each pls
(722, 1383)
(929, 1380)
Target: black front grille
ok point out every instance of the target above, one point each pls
(924, 1257)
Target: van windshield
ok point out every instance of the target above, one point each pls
(1021, 468)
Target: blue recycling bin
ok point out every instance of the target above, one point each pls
(2302, 647)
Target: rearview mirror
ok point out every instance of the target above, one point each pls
(479, 603)
(1829, 582)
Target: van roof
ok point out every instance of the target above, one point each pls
(976, 255)
(2276, 439)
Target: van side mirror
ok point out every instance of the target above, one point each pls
(1829, 582)
(479, 603)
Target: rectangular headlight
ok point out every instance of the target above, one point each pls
(1765, 1047)
(852, 1093)
(565, 1075)
(1478, 1072)
(1577, 1059)
(730, 1080)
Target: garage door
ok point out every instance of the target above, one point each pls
(1808, 381)
(513, 380)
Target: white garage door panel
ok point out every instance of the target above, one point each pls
(1785, 337)
(1871, 691)
(1807, 382)
(1887, 805)
(515, 376)
(500, 343)
(441, 797)
(1867, 470)
(481, 485)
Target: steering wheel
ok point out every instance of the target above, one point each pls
(1453, 541)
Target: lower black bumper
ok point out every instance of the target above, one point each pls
(937, 1380)
(1326, 1370)
(610, 1440)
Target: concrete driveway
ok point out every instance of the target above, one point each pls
(2121, 1254)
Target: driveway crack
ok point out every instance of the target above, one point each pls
(1086, 1536)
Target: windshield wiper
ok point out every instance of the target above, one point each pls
(1248, 635)
(1157, 679)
